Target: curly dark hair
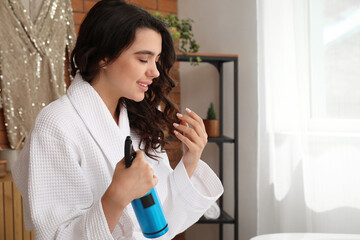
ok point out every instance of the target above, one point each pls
(107, 30)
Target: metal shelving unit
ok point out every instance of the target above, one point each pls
(217, 60)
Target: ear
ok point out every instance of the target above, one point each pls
(103, 63)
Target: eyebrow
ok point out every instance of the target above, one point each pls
(146, 52)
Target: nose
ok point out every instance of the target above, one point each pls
(153, 71)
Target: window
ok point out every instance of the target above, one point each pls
(334, 65)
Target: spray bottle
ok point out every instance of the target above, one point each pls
(148, 209)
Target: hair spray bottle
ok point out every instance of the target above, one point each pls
(148, 209)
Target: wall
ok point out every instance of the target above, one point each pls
(227, 27)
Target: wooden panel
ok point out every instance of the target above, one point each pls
(4, 142)
(2, 121)
(7, 178)
(27, 235)
(8, 207)
(12, 224)
(18, 216)
(2, 222)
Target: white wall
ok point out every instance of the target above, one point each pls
(227, 27)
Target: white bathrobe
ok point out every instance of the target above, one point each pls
(67, 164)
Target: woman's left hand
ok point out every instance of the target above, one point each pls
(194, 138)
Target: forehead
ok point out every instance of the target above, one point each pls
(146, 39)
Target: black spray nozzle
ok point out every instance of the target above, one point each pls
(130, 154)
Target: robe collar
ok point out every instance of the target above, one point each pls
(96, 116)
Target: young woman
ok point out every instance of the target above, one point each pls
(71, 173)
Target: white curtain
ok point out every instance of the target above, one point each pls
(308, 162)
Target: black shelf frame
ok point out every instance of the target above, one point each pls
(217, 61)
(224, 218)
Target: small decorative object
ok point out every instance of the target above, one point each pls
(213, 212)
(212, 125)
(3, 167)
(181, 30)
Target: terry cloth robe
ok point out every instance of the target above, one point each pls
(67, 164)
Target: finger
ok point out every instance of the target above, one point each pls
(195, 116)
(121, 163)
(184, 123)
(192, 118)
(138, 158)
(153, 173)
(200, 130)
(188, 132)
(155, 180)
(139, 153)
(184, 139)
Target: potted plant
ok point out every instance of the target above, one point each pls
(212, 125)
(181, 32)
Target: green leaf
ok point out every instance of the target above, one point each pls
(211, 114)
(182, 30)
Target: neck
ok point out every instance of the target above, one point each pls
(107, 96)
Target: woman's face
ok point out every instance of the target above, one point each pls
(133, 71)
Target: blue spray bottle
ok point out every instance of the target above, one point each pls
(148, 208)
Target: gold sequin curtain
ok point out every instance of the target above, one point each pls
(32, 58)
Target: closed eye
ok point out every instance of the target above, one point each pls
(143, 61)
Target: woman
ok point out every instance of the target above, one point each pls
(71, 172)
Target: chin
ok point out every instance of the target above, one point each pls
(138, 98)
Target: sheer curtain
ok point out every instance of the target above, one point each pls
(309, 110)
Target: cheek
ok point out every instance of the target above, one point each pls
(134, 72)
(128, 72)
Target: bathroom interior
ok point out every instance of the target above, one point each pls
(283, 79)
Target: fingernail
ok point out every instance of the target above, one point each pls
(179, 115)
(188, 110)
(176, 132)
(175, 124)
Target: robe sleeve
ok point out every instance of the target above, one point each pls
(186, 199)
(58, 200)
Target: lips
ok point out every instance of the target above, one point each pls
(144, 85)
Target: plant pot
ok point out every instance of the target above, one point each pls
(212, 128)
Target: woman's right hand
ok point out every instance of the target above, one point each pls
(127, 184)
